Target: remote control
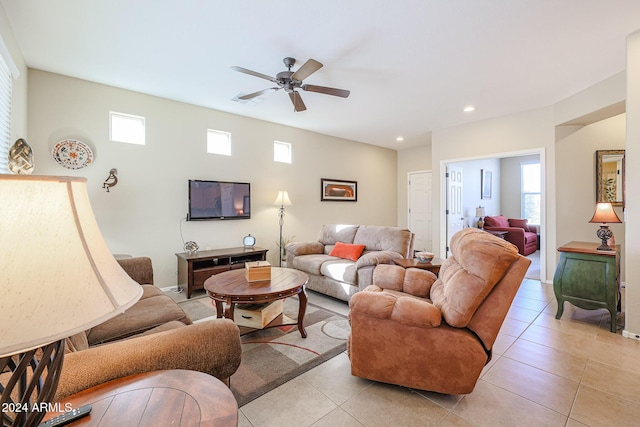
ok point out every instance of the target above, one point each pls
(67, 417)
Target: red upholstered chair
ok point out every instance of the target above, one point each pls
(524, 236)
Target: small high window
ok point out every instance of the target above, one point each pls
(218, 142)
(281, 152)
(126, 128)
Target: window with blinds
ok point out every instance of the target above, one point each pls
(5, 115)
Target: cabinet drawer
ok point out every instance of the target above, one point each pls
(199, 276)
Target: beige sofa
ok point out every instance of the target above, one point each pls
(339, 277)
(154, 334)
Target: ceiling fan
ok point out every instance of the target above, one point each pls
(290, 81)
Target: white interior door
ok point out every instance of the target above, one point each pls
(420, 215)
(455, 217)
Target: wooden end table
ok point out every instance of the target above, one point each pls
(232, 288)
(175, 397)
(498, 233)
(433, 265)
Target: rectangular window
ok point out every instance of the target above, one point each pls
(6, 87)
(218, 142)
(126, 128)
(281, 152)
(530, 191)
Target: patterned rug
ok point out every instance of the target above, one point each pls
(273, 356)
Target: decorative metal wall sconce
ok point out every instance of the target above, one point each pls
(111, 180)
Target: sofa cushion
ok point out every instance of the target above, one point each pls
(332, 233)
(520, 223)
(311, 263)
(496, 221)
(339, 269)
(347, 251)
(467, 277)
(382, 238)
(146, 314)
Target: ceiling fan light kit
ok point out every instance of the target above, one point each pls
(290, 81)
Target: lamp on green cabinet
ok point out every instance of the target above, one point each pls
(58, 279)
(282, 200)
(604, 214)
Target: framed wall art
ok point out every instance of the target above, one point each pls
(485, 184)
(338, 190)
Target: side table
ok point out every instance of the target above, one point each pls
(433, 265)
(498, 233)
(175, 397)
(588, 278)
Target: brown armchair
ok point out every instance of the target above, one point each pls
(412, 329)
(524, 236)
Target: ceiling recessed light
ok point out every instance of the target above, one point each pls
(399, 139)
(469, 108)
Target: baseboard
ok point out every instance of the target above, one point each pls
(631, 335)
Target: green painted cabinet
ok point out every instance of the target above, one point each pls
(588, 278)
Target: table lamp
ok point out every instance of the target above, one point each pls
(604, 214)
(480, 213)
(282, 200)
(58, 279)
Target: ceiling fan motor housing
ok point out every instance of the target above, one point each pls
(290, 81)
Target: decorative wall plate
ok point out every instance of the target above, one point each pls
(72, 154)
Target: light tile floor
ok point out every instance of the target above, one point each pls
(544, 372)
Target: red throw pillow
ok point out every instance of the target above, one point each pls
(347, 251)
(496, 221)
(520, 223)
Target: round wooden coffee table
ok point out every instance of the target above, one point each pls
(232, 287)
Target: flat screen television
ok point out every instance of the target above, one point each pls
(210, 200)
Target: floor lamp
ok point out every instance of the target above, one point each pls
(58, 279)
(282, 200)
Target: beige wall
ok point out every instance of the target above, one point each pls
(523, 133)
(410, 160)
(575, 175)
(144, 214)
(632, 158)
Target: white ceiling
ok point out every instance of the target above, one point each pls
(411, 65)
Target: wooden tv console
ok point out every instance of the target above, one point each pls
(195, 268)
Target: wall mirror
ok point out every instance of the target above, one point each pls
(610, 176)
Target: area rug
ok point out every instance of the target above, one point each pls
(273, 356)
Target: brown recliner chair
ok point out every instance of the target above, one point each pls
(412, 329)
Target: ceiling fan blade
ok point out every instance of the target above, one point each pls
(255, 74)
(326, 90)
(258, 93)
(308, 68)
(296, 99)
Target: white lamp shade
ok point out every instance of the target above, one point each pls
(58, 275)
(480, 212)
(282, 199)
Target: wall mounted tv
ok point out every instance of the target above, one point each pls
(219, 200)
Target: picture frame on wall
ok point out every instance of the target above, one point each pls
(338, 190)
(485, 184)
